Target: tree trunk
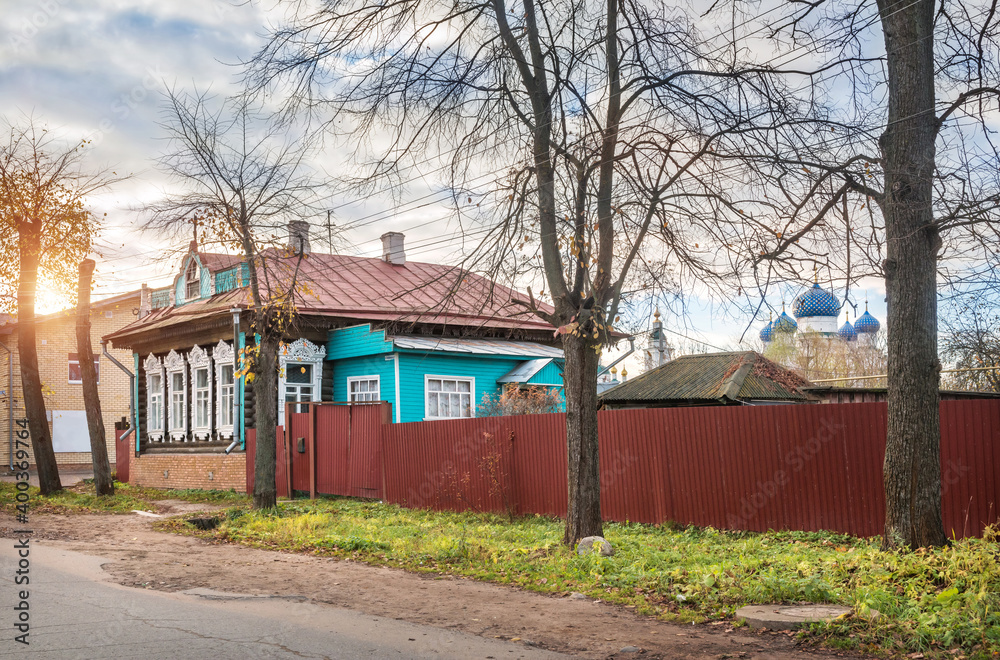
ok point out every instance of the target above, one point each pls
(265, 384)
(912, 469)
(29, 242)
(91, 398)
(583, 511)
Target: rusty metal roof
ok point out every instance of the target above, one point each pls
(711, 378)
(215, 261)
(362, 288)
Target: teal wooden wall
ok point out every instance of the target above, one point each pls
(371, 365)
(414, 366)
(180, 285)
(550, 375)
(359, 351)
(355, 341)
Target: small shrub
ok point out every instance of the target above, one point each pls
(514, 400)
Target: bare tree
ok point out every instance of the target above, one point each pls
(46, 229)
(103, 484)
(913, 169)
(243, 180)
(579, 134)
(971, 340)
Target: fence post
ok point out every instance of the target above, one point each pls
(288, 449)
(312, 450)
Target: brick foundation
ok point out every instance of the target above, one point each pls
(201, 471)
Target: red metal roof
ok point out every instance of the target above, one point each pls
(215, 261)
(362, 288)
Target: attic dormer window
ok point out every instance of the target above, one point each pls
(192, 281)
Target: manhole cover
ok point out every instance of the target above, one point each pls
(788, 617)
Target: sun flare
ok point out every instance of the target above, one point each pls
(49, 301)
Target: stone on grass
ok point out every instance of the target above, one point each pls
(592, 544)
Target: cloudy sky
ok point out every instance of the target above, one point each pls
(96, 70)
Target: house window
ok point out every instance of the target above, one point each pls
(225, 391)
(192, 281)
(201, 393)
(75, 373)
(177, 401)
(154, 398)
(301, 374)
(155, 393)
(202, 398)
(298, 384)
(226, 388)
(362, 388)
(449, 397)
(177, 396)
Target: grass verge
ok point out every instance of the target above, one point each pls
(940, 603)
(82, 498)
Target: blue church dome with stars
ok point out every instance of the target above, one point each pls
(785, 323)
(815, 302)
(768, 332)
(866, 324)
(847, 332)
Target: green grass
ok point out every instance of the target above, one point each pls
(82, 498)
(943, 603)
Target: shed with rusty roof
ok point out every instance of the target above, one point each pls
(710, 379)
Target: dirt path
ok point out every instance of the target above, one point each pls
(143, 558)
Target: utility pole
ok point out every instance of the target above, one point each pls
(329, 231)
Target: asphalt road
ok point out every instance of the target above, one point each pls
(75, 613)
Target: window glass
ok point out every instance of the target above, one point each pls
(226, 398)
(76, 374)
(192, 286)
(177, 402)
(449, 397)
(201, 407)
(363, 389)
(155, 402)
(227, 374)
(298, 373)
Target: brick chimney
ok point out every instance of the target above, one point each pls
(145, 301)
(392, 248)
(298, 236)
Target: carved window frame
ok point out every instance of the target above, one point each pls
(154, 367)
(198, 358)
(224, 356)
(174, 364)
(300, 351)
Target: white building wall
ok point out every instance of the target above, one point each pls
(818, 324)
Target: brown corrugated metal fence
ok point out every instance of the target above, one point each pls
(805, 467)
(752, 467)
